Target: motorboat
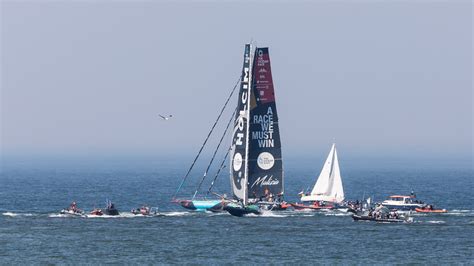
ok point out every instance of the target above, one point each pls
(430, 209)
(110, 209)
(72, 210)
(403, 203)
(96, 212)
(313, 206)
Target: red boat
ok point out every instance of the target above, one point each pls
(429, 209)
(313, 206)
(97, 212)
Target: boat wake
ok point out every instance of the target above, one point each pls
(14, 214)
(460, 213)
(338, 214)
(178, 214)
(436, 222)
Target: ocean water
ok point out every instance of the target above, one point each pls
(31, 231)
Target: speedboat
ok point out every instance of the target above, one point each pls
(72, 210)
(381, 214)
(357, 217)
(111, 210)
(145, 210)
(313, 206)
(403, 203)
(96, 212)
(273, 205)
(430, 209)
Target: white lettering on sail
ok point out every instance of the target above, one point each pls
(265, 136)
(265, 181)
(240, 131)
(238, 141)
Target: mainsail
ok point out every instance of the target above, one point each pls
(238, 156)
(328, 187)
(256, 165)
(265, 164)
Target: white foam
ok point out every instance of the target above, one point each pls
(337, 214)
(13, 214)
(171, 214)
(436, 222)
(461, 210)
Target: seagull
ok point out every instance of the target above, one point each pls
(166, 117)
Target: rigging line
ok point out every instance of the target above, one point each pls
(215, 152)
(222, 166)
(207, 138)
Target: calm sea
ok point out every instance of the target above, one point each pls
(32, 232)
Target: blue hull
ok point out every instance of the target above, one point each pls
(199, 205)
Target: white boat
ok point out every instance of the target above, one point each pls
(403, 203)
(328, 187)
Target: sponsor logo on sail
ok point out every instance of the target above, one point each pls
(265, 181)
(265, 160)
(237, 162)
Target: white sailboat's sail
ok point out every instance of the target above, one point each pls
(337, 189)
(328, 187)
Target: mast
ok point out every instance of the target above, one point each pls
(246, 174)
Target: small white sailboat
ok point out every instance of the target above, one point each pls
(328, 187)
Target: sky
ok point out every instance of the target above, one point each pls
(382, 78)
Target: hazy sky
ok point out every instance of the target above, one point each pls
(391, 78)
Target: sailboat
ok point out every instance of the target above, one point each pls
(256, 168)
(328, 190)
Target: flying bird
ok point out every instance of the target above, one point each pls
(165, 117)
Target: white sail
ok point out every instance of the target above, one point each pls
(328, 187)
(337, 190)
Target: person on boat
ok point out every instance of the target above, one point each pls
(280, 197)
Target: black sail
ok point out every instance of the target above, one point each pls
(265, 168)
(238, 158)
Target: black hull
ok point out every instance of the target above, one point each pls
(111, 212)
(241, 211)
(217, 208)
(379, 220)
